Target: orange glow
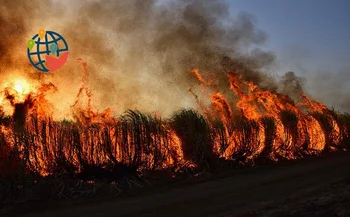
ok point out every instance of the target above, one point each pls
(305, 133)
(251, 124)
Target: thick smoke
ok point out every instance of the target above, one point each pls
(292, 85)
(13, 32)
(331, 88)
(139, 53)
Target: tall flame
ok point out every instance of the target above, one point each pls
(258, 124)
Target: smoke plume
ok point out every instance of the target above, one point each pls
(139, 53)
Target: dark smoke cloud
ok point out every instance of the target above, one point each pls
(147, 49)
(292, 85)
(140, 53)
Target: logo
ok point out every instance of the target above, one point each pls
(47, 51)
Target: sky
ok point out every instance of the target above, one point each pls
(317, 30)
(309, 37)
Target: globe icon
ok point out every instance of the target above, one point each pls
(47, 51)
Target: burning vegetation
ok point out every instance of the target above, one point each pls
(261, 125)
(238, 113)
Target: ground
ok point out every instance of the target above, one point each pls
(311, 187)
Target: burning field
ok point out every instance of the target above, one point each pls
(195, 84)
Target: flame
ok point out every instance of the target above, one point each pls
(19, 87)
(295, 130)
(254, 123)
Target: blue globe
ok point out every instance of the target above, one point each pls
(37, 54)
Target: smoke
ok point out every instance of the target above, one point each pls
(332, 89)
(12, 31)
(292, 85)
(325, 81)
(139, 53)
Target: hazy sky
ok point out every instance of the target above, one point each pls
(309, 30)
(309, 37)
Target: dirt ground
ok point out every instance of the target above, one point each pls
(313, 187)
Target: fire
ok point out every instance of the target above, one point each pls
(22, 87)
(245, 125)
(14, 90)
(296, 130)
(19, 87)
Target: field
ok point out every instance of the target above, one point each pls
(311, 187)
(99, 155)
(179, 98)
